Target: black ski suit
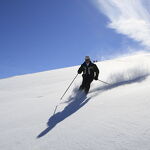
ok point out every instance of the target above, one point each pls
(90, 72)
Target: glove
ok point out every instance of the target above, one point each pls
(96, 78)
(79, 72)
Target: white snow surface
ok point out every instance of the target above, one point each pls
(110, 117)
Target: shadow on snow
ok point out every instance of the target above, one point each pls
(120, 83)
(75, 103)
(79, 100)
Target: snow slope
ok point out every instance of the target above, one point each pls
(111, 117)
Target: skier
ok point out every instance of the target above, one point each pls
(90, 72)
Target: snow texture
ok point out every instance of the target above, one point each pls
(110, 117)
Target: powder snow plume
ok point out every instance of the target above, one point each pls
(125, 70)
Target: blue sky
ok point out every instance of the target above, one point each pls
(39, 35)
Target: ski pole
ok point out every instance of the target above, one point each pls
(68, 87)
(65, 93)
(103, 82)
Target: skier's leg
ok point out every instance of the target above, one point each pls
(82, 86)
(88, 83)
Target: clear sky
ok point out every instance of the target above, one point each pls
(39, 35)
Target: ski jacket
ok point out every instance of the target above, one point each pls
(90, 70)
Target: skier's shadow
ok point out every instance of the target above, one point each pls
(79, 100)
(75, 103)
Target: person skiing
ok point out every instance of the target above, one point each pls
(90, 72)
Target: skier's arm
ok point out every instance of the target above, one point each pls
(80, 69)
(97, 72)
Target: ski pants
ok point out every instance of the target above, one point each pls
(86, 84)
